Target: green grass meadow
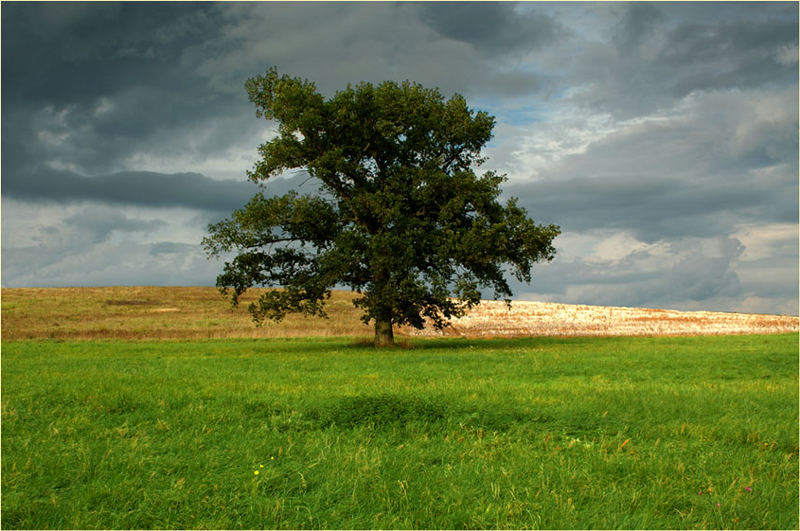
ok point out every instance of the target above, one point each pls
(682, 432)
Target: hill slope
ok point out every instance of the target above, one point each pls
(494, 318)
(192, 313)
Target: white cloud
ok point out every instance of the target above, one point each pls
(701, 131)
(619, 245)
(619, 270)
(768, 241)
(94, 244)
(108, 264)
(229, 163)
(787, 54)
(528, 151)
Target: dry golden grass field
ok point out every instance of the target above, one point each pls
(201, 312)
(156, 313)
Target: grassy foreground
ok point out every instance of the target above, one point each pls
(690, 432)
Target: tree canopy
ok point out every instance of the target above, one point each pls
(401, 217)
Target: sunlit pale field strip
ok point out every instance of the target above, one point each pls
(524, 318)
(202, 313)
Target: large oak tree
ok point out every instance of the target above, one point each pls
(401, 216)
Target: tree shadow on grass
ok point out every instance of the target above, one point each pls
(460, 343)
(388, 410)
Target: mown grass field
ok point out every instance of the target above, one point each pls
(681, 432)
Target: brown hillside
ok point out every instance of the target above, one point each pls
(156, 313)
(195, 313)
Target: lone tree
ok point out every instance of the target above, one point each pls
(401, 217)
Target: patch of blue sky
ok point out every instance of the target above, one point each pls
(517, 115)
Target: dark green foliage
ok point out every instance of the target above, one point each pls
(401, 217)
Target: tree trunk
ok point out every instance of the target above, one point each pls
(384, 337)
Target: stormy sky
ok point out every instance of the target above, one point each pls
(662, 138)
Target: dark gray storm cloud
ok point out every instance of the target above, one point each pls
(101, 224)
(170, 248)
(188, 190)
(718, 161)
(147, 189)
(655, 58)
(98, 87)
(635, 27)
(694, 277)
(89, 85)
(495, 28)
(73, 52)
(656, 209)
